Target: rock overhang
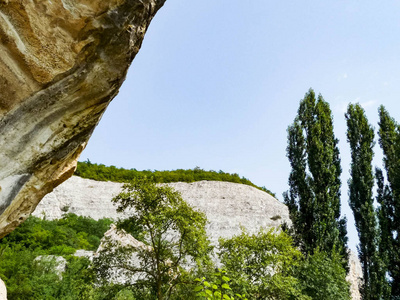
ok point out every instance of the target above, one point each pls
(61, 63)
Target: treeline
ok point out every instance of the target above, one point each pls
(377, 221)
(314, 195)
(101, 172)
(28, 258)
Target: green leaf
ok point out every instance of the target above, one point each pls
(201, 294)
(207, 284)
(198, 288)
(226, 286)
(226, 279)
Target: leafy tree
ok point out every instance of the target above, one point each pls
(322, 276)
(174, 237)
(219, 289)
(262, 265)
(314, 195)
(360, 136)
(266, 265)
(27, 279)
(389, 197)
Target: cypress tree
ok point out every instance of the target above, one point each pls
(389, 196)
(385, 200)
(314, 194)
(360, 136)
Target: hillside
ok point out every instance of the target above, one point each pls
(227, 205)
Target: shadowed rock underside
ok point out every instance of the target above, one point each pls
(61, 63)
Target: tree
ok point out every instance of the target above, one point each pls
(384, 198)
(262, 265)
(266, 265)
(314, 182)
(218, 289)
(174, 240)
(322, 276)
(360, 136)
(389, 196)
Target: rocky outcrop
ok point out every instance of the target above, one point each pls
(227, 205)
(3, 291)
(354, 276)
(52, 264)
(121, 239)
(61, 63)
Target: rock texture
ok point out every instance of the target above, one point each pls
(354, 276)
(114, 239)
(3, 291)
(61, 63)
(227, 205)
(52, 263)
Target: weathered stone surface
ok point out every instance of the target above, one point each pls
(3, 291)
(354, 276)
(52, 263)
(61, 63)
(114, 239)
(227, 205)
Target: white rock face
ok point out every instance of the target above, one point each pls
(83, 197)
(227, 205)
(122, 239)
(114, 239)
(84, 253)
(3, 291)
(354, 276)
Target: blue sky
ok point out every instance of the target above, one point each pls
(217, 83)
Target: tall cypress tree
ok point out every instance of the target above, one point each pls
(385, 200)
(314, 195)
(360, 136)
(389, 196)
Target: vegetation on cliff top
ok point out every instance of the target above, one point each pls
(101, 172)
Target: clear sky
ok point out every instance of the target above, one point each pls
(217, 82)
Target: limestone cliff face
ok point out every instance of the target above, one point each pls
(61, 63)
(3, 291)
(227, 205)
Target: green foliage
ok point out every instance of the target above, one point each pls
(262, 265)
(216, 290)
(360, 136)
(322, 276)
(173, 234)
(389, 197)
(266, 265)
(314, 195)
(101, 172)
(59, 237)
(28, 278)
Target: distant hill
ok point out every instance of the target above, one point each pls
(101, 172)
